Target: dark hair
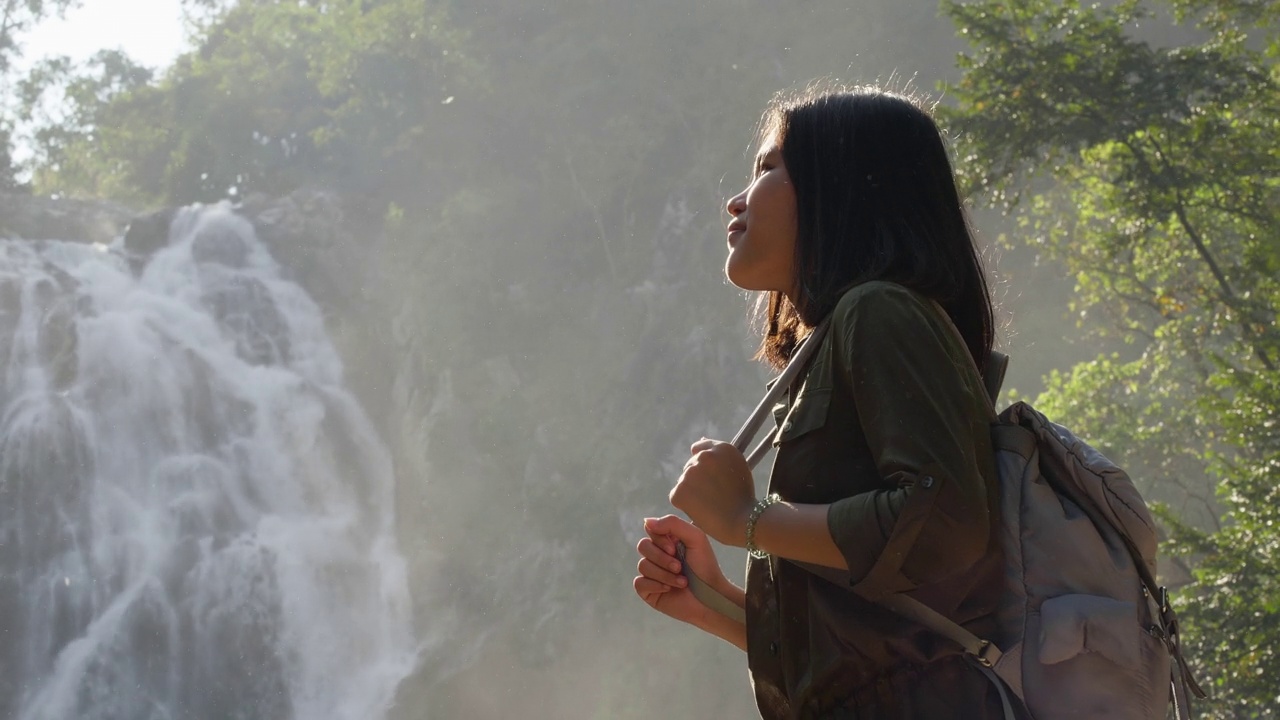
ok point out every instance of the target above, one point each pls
(876, 199)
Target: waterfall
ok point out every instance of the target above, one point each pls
(196, 519)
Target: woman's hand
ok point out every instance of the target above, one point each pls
(660, 583)
(716, 491)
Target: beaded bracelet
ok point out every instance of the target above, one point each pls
(756, 511)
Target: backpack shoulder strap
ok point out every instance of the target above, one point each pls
(997, 362)
(980, 652)
(697, 586)
(993, 378)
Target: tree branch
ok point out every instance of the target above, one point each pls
(1227, 292)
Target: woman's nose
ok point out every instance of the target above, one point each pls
(737, 204)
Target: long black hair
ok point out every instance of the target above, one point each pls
(876, 199)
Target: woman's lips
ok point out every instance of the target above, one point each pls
(734, 229)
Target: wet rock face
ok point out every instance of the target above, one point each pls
(57, 337)
(310, 233)
(220, 246)
(307, 232)
(42, 218)
(243, 306)
(53, 302)
(145, 235)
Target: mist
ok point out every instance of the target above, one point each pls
(379, 445)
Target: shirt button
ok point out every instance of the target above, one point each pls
(773, 648)
(926, 482)
(786, 426)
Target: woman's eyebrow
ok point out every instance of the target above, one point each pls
(760, 156)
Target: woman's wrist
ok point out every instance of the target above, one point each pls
(799, 532)
(751, 540)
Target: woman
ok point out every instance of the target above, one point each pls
(884, 479)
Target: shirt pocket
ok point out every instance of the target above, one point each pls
(808, 414)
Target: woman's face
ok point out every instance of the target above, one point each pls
(762, 229)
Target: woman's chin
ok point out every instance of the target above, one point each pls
(735, 278)
(744, 283)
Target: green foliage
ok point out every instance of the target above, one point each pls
(8, 168)
(16, 18)
(276, 95)
(66, 105)
(1153, 174)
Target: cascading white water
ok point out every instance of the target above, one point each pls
(196, 519)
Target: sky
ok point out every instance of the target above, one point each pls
(149, 31)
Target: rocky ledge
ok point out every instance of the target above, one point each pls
(49, 218)
(308, 232)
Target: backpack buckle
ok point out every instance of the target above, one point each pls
(988, 655)
(1167, 616)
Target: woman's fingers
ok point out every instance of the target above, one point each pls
(703, 444)
(646, 587)
(659, 569)
(660, 583)
(660, 556)
(670, 528)
(662, 542)
(649, 569)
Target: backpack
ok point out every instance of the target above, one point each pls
(1084, 629)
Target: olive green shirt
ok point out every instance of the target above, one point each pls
(890, 425)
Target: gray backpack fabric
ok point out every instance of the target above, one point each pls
(1085, 631)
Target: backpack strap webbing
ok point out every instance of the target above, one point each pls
(1005, 705)
(706, 594)
(986, 654)
(993, 378)
(980, 652)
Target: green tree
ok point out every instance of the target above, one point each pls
(16, 18)
(1153, 174)
(65, 105)
(276, 95)
(8, 168)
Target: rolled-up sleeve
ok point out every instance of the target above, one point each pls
(929, 434)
